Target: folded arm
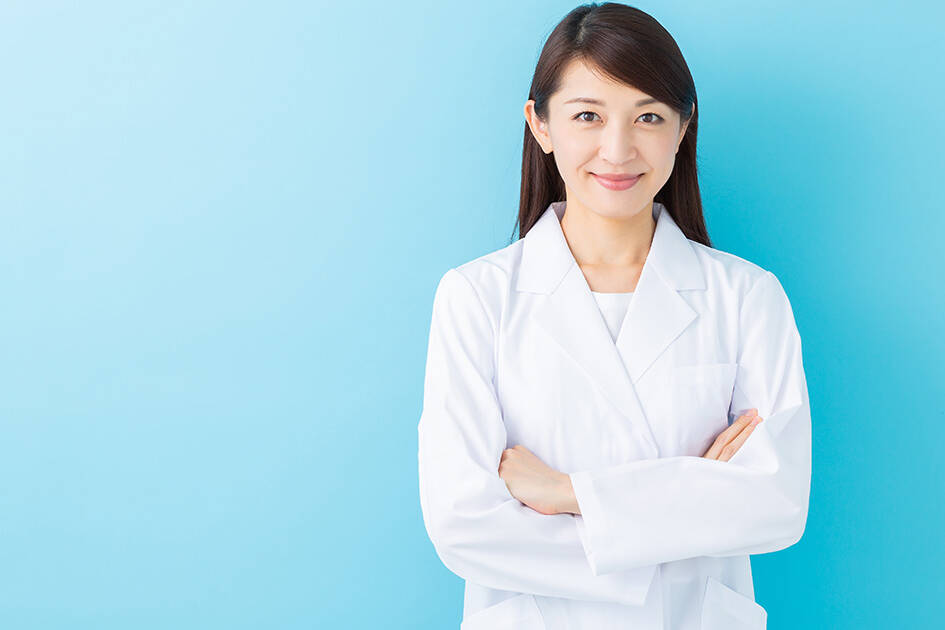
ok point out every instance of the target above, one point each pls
(478, 529)
(659, 510)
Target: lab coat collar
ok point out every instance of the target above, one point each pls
(546, 255)
(656, 316)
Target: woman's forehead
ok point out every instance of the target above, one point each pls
(581, 84)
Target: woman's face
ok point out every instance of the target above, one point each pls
(619, 133)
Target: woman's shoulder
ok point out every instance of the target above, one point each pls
(495, 267)
(754, 286)
(490, 274)
(483, 283)
(729, 269)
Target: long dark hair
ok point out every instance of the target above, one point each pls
(630, 46)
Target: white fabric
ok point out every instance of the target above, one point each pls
(613, 307)
(519, 354)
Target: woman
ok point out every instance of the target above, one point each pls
(592, 452)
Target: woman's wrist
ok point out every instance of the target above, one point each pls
(567, 504)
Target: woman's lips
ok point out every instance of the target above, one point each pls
(617, 184)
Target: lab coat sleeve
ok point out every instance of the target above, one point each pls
(659, 510)
(479, 530)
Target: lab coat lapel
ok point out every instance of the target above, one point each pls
(658, 313)
(569, 312)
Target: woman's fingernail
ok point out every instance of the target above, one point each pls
(755, 420)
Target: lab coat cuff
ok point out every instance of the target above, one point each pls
(590, 522)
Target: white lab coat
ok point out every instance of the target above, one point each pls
(520, 354)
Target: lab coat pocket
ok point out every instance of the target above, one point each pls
(701, 395)
(724, 608)
(517, 612)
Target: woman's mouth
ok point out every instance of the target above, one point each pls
(617, 181)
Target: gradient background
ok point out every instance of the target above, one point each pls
(222, 225)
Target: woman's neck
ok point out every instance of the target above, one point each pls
(606, 242)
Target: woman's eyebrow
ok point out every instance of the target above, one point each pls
(594, 101)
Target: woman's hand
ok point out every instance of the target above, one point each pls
(548, 491)
(731, 439)
(532, 481)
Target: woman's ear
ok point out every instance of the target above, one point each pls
(537, 126)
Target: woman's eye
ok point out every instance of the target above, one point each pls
(658, 120)
(584, 119)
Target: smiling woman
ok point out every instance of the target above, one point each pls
(612, 99)
(617, 145)
(587, 462)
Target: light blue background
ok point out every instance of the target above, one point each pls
(222, 224)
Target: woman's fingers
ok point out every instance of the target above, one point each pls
(730, 433)
(732, 447)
